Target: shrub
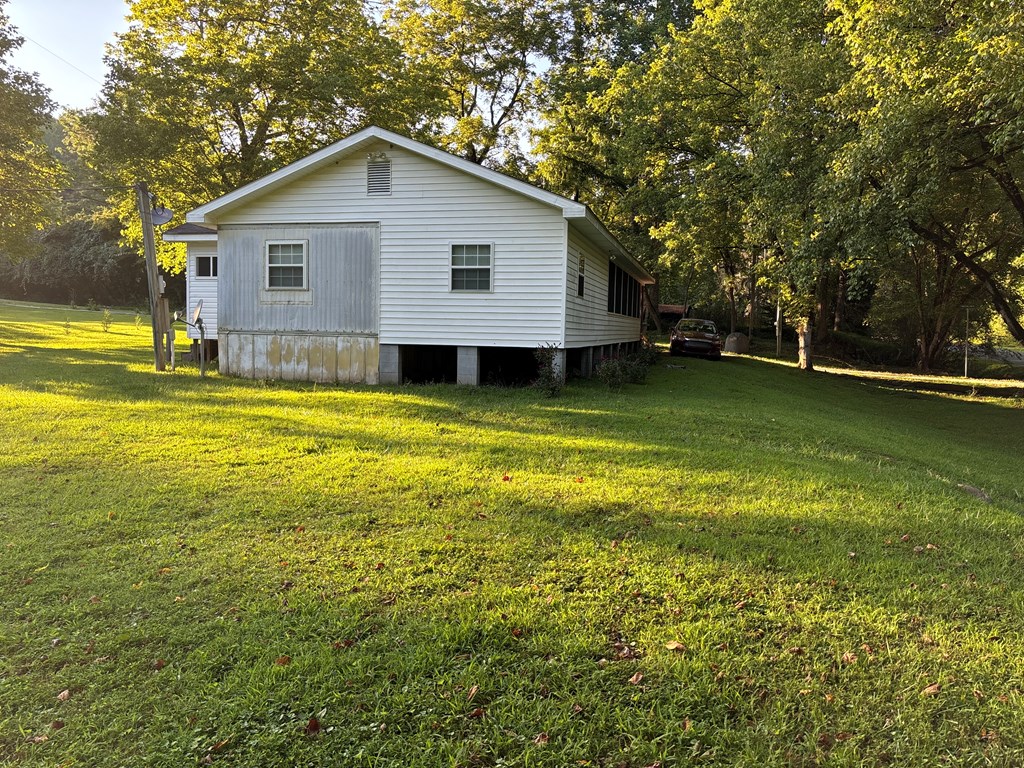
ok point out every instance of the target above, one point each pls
(549, 379)
(627, 369)
(106, 319)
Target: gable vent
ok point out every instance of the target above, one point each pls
(378, 176)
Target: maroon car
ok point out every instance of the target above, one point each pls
(696, 337)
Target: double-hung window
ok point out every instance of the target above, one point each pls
(471, 267)
(287, 265)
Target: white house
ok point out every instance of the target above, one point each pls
(380, 259)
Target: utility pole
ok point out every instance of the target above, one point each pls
(152, 275)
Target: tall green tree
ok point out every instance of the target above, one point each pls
(477, 64)
(28, 172)
(203, 96)
(937, 160)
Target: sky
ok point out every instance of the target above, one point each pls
(64, 42)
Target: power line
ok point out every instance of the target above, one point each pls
(57, 56)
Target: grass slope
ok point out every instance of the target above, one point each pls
(249, 573)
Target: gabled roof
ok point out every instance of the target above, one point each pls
(577, 214)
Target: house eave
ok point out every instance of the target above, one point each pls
(591, 227)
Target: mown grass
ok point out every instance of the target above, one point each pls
(254, 573)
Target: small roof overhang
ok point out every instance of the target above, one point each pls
(190, 233)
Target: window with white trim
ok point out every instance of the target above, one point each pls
(471, 267)
(286, 265)
(206, 266)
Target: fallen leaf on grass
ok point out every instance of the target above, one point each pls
(578, 480)
(849, 657)
(39, 739)
(165, 570)
(159, 664)
(476, 713)
(740, 605)
(795, 650)
(94, 599)
(540, 739)
(989, 735)
(300, 528)
(64, 695)
(472, 692)
(312, 727)
(932, 690)
(339, 644)
(905, 537)
(56, 725)
(675, 645)
(844, 736)
(283, 661)
(635, 679)
(506, 478)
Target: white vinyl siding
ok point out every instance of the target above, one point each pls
(204, 288)
(430, 208)
(588, 321)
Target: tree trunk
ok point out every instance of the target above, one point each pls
(805, 337)
(732, 307)
(999, 297)
(840, 316)
(821, 307)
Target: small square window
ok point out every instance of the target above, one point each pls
(286, 265)
(206, 266)
(471, 267)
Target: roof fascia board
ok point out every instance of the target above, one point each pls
(612, 244)
(168, 238)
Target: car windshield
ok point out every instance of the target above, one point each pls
(697, 326)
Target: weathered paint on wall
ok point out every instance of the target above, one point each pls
(300, 357)
(342, 280)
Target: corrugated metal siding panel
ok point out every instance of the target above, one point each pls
(204, 288)
(342, 295)
(588, 321)
(430, 207)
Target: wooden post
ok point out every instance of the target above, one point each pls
(152, 275)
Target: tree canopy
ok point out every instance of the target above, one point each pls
(859, 163)
(29, 174)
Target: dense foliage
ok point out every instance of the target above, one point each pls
(858, 165)
(27, 170)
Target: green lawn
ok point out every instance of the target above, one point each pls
(734, 565)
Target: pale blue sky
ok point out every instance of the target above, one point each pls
(72, 30)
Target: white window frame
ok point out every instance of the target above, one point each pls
(451, 267)
(213, 261)
(305, 265)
